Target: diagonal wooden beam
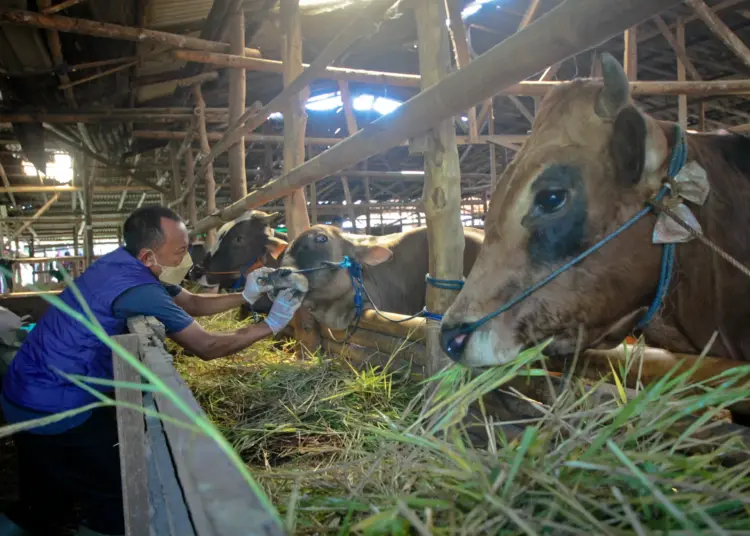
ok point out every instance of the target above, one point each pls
(461, 52)
(720, 29)
(44, 208)
(679, 51)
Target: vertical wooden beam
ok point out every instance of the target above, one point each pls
(461, 53)
(306, 329)
(88, 196)
(492, 148)
(237, 95)
(76, 253)
(720, 29)
(682, 104)
(351, 127)
(119, 236)
(631, 53)
(176, 182)
(295, 117)
(314, 203)
(442, 188)
(368, 214)
(192, 206)
(702, 117)
(205, 149)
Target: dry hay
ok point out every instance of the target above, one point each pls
(347, 452)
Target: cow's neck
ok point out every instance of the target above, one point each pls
(708, 294)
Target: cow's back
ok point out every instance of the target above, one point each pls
(398, 286)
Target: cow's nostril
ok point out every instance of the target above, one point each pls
(454, 340)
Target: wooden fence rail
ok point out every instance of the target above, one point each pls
(176, 482)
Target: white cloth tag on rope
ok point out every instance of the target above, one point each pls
(692, 183)
(668, 231)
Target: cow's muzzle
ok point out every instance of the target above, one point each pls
(454, 339)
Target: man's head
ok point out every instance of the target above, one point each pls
(157, 237)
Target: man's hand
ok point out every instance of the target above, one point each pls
(253, 289)
(284, 306)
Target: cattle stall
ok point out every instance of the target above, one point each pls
(377, 117)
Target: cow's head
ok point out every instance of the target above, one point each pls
(330, 294)
(244, 244)
(591, 162)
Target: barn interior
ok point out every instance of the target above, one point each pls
(107, 106)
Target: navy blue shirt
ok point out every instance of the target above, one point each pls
(153, 299)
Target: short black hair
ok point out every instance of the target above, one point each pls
(143, 229)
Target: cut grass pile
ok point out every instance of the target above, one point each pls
(342, 451)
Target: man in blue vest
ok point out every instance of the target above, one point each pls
(76, 460)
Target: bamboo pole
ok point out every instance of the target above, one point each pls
(442, 189)
(631, 53)
(65, 189)
(88, 210)
(44, 208)
(274, 66)
(252, 119)
(237, 95)
(61, 6)
(682, 104)
(586, 23)
(717, 26)
(112, 31)
(208, 177)
(461, 53)
(175, 165)
(306, 329)
(192, 206)
(351, 127)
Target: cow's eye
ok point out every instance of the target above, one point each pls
(550, 201)
(239, 239)
(321, 239)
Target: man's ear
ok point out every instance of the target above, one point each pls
(373, 255)
(275, 246)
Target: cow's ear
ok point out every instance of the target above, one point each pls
(373, 255)
(628, 146)
(275, 246)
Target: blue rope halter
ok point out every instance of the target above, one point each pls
(679, 157)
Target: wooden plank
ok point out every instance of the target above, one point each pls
(219, 500)
(169, 514)
(631, 53)
(208, 176)
(585, 23)
(442, 184)
(132, 438)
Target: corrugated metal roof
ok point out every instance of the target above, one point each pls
(163, 13)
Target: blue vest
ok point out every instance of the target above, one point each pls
(61, 342)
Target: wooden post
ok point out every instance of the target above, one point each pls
(176, 183)
(306, 330)
(720, 29)
(442, 185)
(702, 117)
(119, 236)
(631, 53)
(313, 204)
(237, 95)
(368, 215)
(682, 104)
(192, 206)
(209, 175)
(88, 197)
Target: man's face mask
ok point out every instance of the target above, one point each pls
(173, 275)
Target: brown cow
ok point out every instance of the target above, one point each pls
(594, 160)
(393, 270)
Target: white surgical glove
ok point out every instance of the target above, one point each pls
(284, 306)
(253, 289)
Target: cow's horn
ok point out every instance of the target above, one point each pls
(616, 91)
(271, 218)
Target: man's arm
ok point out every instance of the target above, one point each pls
(210, 346)
(207, 304)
